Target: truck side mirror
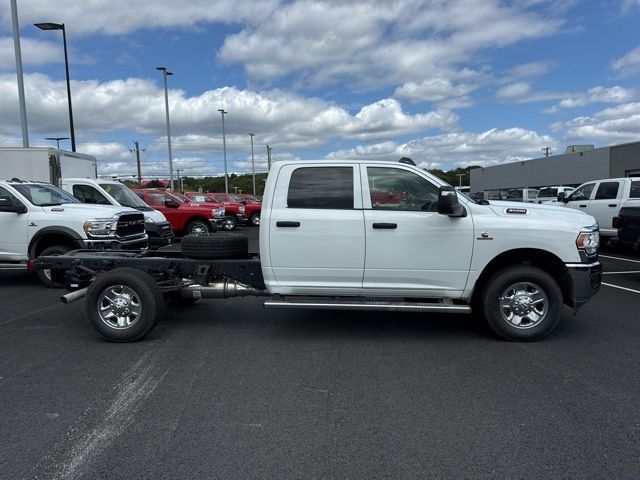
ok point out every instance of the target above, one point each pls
(6, 205)
(561, 197)
(169, 203)
(448, 203)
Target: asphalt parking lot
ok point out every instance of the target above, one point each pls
(226, 389)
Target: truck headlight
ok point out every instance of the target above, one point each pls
(241, 209)
(217, 212)
(98, 227)
(149, 220)
(589, 241)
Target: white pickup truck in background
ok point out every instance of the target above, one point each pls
(360, 235)
(40, 219)
(603, 199)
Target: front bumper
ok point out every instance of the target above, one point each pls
(216, 224)
(582, 282)
(160, 234)
(139, 242)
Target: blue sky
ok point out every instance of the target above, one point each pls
(448, 83)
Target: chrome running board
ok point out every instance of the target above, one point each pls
(444, 305)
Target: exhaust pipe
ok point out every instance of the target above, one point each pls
(224, 289)
(73, 296)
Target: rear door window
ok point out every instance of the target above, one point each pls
(321, 187)
(607, 191)
(635, 190)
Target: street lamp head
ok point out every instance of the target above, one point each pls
(161, 68)
(221, 110)
(49, 26)
(252, 134)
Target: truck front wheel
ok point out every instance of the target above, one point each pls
(124, 304)
(198, 227)
(522, 303)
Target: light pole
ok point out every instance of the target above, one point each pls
(165, 74)
(60, 26)
(224, 149)
(178, 170)
(253, 164)
(18, 53)
(57, 139)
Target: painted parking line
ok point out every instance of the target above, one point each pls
(621, 288)
(620, 258)
(617, 273)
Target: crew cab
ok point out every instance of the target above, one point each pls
(325, 243)
(109, 192)
(185, 218)
(550, 194)
(602, 199)
(40, 219)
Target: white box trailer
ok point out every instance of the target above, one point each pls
(45, 164)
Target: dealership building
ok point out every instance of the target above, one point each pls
(579, 164)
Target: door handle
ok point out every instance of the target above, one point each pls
(613, 204)
(582, 206)
(287, 224)
(387, 226)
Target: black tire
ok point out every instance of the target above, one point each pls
(255, 219)
(45, 275)
(229, 223)
(198, 227)
(215, 247)
(513, 291)
(140, 288)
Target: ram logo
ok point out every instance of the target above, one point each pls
(516, 211)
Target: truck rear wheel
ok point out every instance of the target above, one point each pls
(215, 247)
(522, 303)
(255, 219)
(46, 276)
(124, 304)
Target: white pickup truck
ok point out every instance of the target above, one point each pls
(40, 219)
(603, 199)
(359, 235)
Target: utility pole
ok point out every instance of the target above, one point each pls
(224, 148)
(268, 158)
(546, 151)
(137, 150)
(178, 170)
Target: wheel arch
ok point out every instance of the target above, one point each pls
(541, 259)
(50, 236)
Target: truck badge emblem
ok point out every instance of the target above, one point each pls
(484, 236)
(516, 211)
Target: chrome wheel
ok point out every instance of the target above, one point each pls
(523, 305)
(199, 229)
(119, 307)
(229, 223)
(255, 220)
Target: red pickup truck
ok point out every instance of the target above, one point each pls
(185, 218)
(234, 209)
(251, 209)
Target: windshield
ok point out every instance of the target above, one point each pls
(44, 195)
(200, 198)
(181, 198)
(123, 195)
(236, 198)
(550, 192)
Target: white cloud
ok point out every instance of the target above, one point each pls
(376, 42)
(115, 17)
(514, 92)
(457, 149)
(596, 95)
(628, 64)
(34, 52)
(527, 70)
(137, 106)
(437, 89)
(618, 124)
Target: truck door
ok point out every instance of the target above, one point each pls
(316, 228)
(605, 205)
(410, 248)
(13, 241)
(581, 197)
